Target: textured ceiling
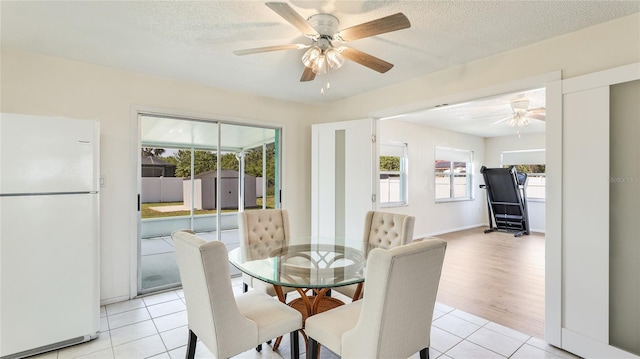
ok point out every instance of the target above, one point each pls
(194, 40)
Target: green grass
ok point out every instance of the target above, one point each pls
(148, 212)
(270, 202)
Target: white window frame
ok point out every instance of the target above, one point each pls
(395, 149)
(527, 157)
(453, 155)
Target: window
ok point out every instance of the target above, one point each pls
(393, 174)
(453, 168)
(531, 162)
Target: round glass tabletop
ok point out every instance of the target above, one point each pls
(309, 263)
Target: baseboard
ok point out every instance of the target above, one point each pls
(121, 298)
(433, 234)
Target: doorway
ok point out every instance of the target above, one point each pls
(198, 175)
(510, 145)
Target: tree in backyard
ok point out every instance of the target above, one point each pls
(531, 168)
(203, 161)
(253, 164)
(152, 152)
(389, 163)
(206, 161)
(228, 161)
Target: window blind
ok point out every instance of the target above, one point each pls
(452, 154)
(527, 157)
(394, 150)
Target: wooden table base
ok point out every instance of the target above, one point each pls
(309, 305)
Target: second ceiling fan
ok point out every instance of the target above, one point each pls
(522, 114)
(326, 50)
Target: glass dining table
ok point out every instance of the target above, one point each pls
(312, 266)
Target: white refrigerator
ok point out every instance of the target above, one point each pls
(49, 233)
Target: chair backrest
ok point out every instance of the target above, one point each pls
(388, 230)
(262, 232)
(211, 307)
(400, 295)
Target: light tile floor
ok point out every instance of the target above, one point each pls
(155, 326)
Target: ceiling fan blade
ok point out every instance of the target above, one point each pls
(380, 26)
(307, 75)
(499, 121)
(270, 48)
(367, 60)
(537, 116)
(286, 12)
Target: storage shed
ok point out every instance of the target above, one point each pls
(205, 190)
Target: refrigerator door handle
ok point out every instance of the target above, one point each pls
(44, 193)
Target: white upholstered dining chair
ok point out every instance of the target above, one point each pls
(262, 232)
(383, 230)
(225, 324)
(393, 320)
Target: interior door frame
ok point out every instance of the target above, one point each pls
(330, 159)
(588, 316)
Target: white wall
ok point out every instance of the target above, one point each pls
(41, 85)
(496, 145)
(434, 218)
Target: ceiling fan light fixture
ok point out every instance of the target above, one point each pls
(323, 29)
(311, 56)
(518, 120)
(334, 58)
(320, 65)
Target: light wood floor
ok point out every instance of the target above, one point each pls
(496, 276)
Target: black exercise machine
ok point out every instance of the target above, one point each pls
(506, 200)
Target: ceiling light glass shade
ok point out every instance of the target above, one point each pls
(320, 65)
(518, 120)
(311, 55)
(334, 58)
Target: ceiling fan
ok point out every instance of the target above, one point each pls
(522, 114)
(326, 50)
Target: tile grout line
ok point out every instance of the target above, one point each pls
(156, 327)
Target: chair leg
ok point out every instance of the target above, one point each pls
(191, 345)
(312, 350)
(295, 347)
(424, 353)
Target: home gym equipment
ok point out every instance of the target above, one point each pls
(506, 200)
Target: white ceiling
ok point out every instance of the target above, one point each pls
(166, 132)
(194, 40)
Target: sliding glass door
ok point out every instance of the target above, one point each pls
(197, 175)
